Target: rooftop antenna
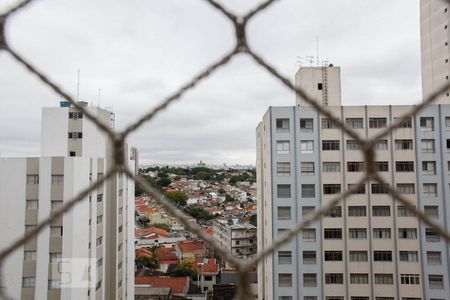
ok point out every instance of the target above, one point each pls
(317, 44)
(78, 86)
(98, 97)
(310, 60)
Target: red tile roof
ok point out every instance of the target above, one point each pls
(209, 267)
(167, 253)
(190, 246)
(179, 285)
(143, 252)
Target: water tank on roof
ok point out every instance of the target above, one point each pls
(64, 104)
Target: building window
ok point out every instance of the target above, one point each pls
(75, 135)
(403, 145)
(430, 189)
(331, 189)
(283, 147)
(332, 233)
(307, 168)
(355, 166)
(310, 298)
(120, 228)
(404, 166)
(309, 257)
(99, 219)
(56, 205)
(381, 233)
(282, 125)
(434, 258)
(431, 235)
(307, 147)
(330, 145)
(285, 280)
(283, 190)
(308, 191)
(285, 298)
(405, 188)
(427, 123)
(409, 279)
(75, 115)
(335, 212)
(404, 212)
(55, 257)
(283, 168)
(284, 212)
(359, 188)
(28, 282)
(306, 125)
(353, 145)
(331, 167)
(381, 211)
(56, 231)
(431, 211)
(306, 210)
(99, 262)
(33, 179)
(72, 153)
(436, 282)
(320, 86)
(405, 124)
(334, 278)
(357, 211)
(359, 278)
(309, 280)
(382, 166)
(427, 146)
(57, 179)
(379, 189)
(98, 285)
(120, 210)
(29, 255)
(333, 255)
(382, 255)
(99, 198)
(309, 235)
(328, 124)
(384, 279)
(357, 233)
(409, 256)
(381, 145)
(354, 123)
(447, 119)
(32, 204)
(377, 122)
(429, 168)
(358, 256)
(99, 241)
(407, 233)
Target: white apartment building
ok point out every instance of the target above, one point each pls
(434, 36)
(368, 247)
(89, 252)
(237, 237)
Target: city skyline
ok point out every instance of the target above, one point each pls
(378, 54)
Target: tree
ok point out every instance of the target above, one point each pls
(142, 262)
(228, 198)
(222, 191)
(177, 197)
(184, 268)
(164, 182)
(149, 180)
(253, 220)
(199, 213)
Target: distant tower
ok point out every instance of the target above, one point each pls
(321, 83)
(434, 37)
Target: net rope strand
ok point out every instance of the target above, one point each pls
(241, 47)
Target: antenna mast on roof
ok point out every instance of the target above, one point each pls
(78, 86)
(317, 44)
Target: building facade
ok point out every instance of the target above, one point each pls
(368, 247)
(89, 252)
(237, 237)
(434, 38)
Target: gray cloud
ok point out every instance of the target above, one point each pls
(138, 52)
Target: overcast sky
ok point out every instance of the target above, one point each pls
(139, 51)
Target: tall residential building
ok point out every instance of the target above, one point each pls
(237, 237)
(435, 51)
(368, 247)
(89, 252)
